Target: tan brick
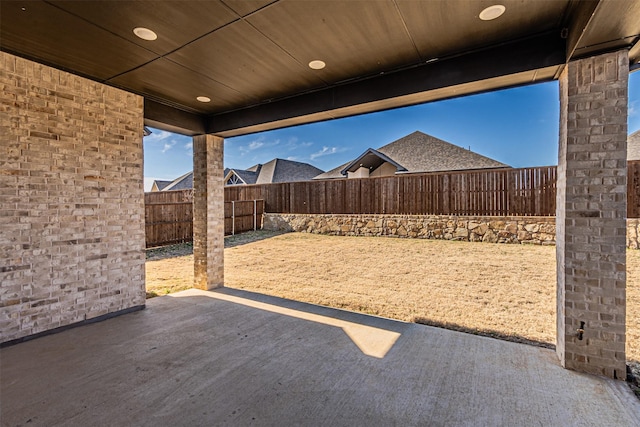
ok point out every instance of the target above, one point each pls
(590, 221)
(60, 133)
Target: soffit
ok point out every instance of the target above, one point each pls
(251, 57)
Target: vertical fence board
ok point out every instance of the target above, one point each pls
(496, 192)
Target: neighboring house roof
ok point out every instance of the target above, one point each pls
(633, 146)
(159, 185)
(371, 159)
(245, 176)
(419, 152)
(277, 170)
(281, 170)
(290, 171)
(184, 182)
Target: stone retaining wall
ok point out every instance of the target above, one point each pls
(531, 230)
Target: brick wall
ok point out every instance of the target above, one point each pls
(71, 199)
(208, 211)
(591, 190)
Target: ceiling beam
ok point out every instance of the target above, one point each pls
(171, 119)
(405, 87)
(581, 16)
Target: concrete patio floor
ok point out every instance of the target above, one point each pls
(231, 357)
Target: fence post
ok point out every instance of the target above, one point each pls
(255, 213)
(233, 218)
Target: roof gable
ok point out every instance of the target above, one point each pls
(159, 185)
(247, 177)
(371, 159)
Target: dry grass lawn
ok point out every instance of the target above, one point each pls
(506, 290)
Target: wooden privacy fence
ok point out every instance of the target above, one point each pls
(633, 189)
(242, 215)
(169, 217)
(495, 192)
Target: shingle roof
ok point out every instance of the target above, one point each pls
(249, 177)
(281, 170)
(160, 185)
(185, 182)
(277, 170)
(633, 146)
(419, 152)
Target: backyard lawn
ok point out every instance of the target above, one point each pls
(496, 289)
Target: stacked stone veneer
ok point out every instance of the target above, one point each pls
(71, 199)
(532, 229)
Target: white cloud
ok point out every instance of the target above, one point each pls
(255, 145)
(188, 148)
(326, 151)
(168, 145)
(633, 109)
(292, 158)
(157, 136)
(293, 144)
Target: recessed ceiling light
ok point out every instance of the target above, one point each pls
(317, 64)
(492, 12)
(145, 33)
(203, 99)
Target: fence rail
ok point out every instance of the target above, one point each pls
(495, 192)
(242, 215)
(169, 217)
(499, 192)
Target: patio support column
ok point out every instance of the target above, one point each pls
(208, 212)
(591, 215)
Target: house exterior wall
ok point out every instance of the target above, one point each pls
(385, 169)
(71, 199)
(360, 173)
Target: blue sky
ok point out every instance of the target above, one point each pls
(516, 126)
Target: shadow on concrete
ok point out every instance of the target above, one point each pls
(491, 333)
(374, 336)
(231, 357)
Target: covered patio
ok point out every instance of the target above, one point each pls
(80, 81)
(230, 357)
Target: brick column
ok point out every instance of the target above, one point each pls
(591, 212)
(208, 212)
